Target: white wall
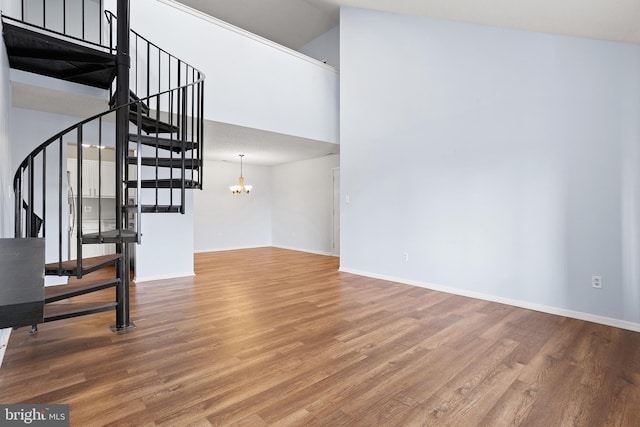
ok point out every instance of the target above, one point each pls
(6, 169)
(157, 256)
(505, 163)
(54, 19)
(223, 220)
(10, 7)
(303, 205)
(250, 81)
(25, 137)
(6, 174)
(167, 245)
(166, 249)
(4, 341)
(290, 206)
(325, 47)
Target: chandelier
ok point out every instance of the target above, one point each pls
(237, 189)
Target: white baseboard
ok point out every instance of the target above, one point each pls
(618, 323)
(162, 277)
(4, 341)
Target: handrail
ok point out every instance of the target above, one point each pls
(26, 7)
(187, 86)
(110, 16)
(58, 33)
(57, 136)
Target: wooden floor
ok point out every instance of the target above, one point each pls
(274, 337)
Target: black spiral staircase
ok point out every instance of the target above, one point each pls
(153, 117)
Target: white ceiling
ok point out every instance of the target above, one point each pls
(225, 142)
(293, 23)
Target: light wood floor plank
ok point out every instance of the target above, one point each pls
(272, 337)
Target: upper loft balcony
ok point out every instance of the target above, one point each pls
(41, 51)
(252, 82)
(68, 40)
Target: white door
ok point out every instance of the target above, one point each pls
(336, 212)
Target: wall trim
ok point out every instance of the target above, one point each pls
(162, 277)
(245, 33)
(608, 321)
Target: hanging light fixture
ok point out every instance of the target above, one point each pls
(237, 189)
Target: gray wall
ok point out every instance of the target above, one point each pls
(505, 163)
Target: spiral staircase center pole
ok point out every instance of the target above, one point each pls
(123, 65)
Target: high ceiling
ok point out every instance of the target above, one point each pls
(293, 23)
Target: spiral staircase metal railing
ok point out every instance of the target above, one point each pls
(154, 120)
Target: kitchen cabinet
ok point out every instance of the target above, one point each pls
(91, 178)
(108, 179)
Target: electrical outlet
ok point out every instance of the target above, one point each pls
(596, 281)
(405, 256)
